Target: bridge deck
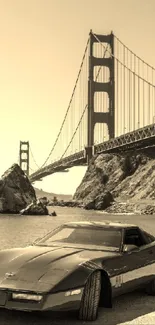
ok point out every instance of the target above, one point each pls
(77, 159)
(140, 138)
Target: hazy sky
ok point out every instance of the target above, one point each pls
(42, 43)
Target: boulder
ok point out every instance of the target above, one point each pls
(149, 209)
(100, 202)
(53, 214)
(89, 205)
(44, 200)
(103, 200)
(16, 191)
(35, 208)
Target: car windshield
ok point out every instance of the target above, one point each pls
(84, 236)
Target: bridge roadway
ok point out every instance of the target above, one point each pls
(140, 138)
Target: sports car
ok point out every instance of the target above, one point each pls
(78, 266)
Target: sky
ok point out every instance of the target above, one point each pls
(42, 43)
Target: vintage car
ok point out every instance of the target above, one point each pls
(78, 266)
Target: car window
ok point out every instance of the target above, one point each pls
(85, 236)
(148, 237)
(133, 237)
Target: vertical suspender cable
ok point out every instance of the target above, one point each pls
(152, 98)
(134, 97)
(138, 98)
(124, 108)
(128, 74)
(149, 102)
(119, 91)
(117, 110)
(129, 92)
(143, 97)
(148, 115)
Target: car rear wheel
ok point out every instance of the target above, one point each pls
(150, 289)
(90, 299)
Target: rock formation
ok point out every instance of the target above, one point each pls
(35, 208)
(44, 200)
(16, 191)
(117, 176)
(69, 204)
(53, 214)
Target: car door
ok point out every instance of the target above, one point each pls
(139, 264)
(123, 268)
(132, 269)
(147, 253)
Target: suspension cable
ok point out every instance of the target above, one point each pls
(33, 157)
(31, 169)
(74, 131)
(83, 110)
(134, 53)
(124, 64)
(85, 51)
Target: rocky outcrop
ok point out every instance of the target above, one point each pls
(35, 208)
(44, 200)
(148, 209)
(117, 177)
(16, 191)
(69, 204)
(101, 202)
(53, 214)
(138, 207)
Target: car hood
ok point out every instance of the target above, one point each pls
(38, 268)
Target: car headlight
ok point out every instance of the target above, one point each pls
(73, 292)
(25, 296)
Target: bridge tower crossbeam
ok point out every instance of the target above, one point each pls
(94, 86)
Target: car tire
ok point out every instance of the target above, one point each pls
(90, 299)
(150, 289)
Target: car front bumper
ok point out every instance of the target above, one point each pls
(54, 302)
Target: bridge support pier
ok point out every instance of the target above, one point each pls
(24, 161)
(89, 152)
(94, 86)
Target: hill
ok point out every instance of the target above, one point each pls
(41, 193)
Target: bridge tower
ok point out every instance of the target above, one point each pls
(24, 160)
(94, 86)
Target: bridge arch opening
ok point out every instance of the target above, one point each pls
(101, 74)
(101, 102)
(101, 133)
(99, 50)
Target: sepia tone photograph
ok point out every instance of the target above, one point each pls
(77, 167)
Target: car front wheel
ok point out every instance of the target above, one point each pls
(90, 299)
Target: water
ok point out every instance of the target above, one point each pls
(19, 231)
(16, 230)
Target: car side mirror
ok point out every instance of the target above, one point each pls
(129, 248)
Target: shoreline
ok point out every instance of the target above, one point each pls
(126, 207)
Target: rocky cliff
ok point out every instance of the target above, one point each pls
(16, 191)
(120, 177)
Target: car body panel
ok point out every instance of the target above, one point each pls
(40, 268)
(54, 302)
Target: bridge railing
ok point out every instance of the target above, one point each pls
(131, 138)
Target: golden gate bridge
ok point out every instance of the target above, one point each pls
(112, 108)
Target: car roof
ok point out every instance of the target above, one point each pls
(101, 224)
